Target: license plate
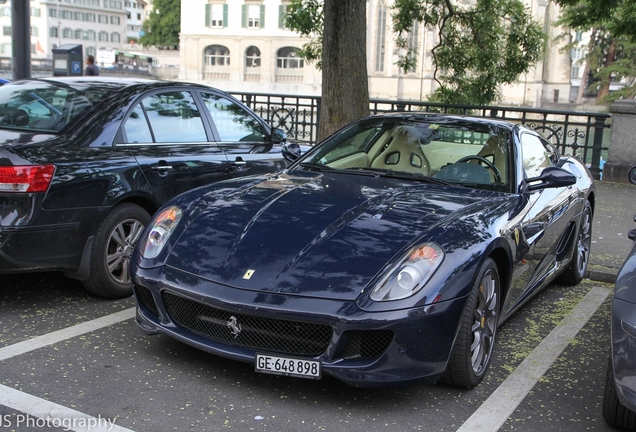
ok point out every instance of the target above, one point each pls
(293, 367)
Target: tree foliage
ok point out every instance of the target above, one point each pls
(479, 46)
(307, 18)
(163, 25)
(611, 54)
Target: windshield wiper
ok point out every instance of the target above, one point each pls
(316, 167)
(382, 172)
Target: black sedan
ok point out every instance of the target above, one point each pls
(619, 402)
(389, 253)
(85, 162)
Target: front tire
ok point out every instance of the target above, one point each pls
(575, 271)
(614, 412)
(473, 348)
(115, 240)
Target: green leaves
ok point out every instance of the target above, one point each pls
(479, 46)
(306, 17)
(612, 48)
(163, 25)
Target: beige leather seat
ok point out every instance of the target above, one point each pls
(402, 153)
(496, 151)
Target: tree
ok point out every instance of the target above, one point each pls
(612, 48)
(163, 25)
(339, 30)
(481, 46)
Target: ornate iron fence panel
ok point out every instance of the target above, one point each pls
(579, 134)
(296, 115)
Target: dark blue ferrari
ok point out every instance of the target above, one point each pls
(388, 253)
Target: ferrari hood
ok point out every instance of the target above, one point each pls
(312, 234)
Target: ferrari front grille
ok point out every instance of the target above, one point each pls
(248, 331)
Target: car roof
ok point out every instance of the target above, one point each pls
(114, 83)
(447, 118)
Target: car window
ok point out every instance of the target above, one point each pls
(167, 117)
(232, 122)
(536, 155)
(469, 153)
(43, 106)
(137, 128)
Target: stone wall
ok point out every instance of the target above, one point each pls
(622, 149)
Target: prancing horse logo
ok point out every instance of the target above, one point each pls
(234, 328)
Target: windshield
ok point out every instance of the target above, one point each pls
(461, 151)
(43, 106)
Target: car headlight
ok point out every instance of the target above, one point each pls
(163, 225)
(410, 273)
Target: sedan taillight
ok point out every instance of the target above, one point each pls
(27, 178)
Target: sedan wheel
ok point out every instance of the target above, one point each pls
(575, 272)
(115, 240)
(473, 348)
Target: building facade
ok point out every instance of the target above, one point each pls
(243, 46)
(93, 24)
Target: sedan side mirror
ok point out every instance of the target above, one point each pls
(291, 151)
(551, 177)
(278, 135)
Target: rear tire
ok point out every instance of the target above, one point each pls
(575, 271)
(473, 347)
(614, 412)
(115, 240)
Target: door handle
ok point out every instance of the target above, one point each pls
(161, 168)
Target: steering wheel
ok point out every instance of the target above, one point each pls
(16, 117)
(486, 162)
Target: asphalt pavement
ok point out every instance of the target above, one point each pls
(613, 218)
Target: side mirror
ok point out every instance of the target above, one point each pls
(291, 151)
(278, 135)
(551, 177)
(632, 175)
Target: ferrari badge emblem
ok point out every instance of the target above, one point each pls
(248, 274)
(234, 327)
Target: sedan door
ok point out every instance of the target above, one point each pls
(173, 143)
(244, 138)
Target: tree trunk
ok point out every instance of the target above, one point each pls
(345, 83)
(604, 87)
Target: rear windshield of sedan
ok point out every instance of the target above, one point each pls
(44, 106)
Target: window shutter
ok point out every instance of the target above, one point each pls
(207, 14)
(262, 19)
(224, 15)
(281, 16)
(244, 17)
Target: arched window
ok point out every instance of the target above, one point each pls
(287, 58)
(216, 55)
(252, 57)
(381, 38)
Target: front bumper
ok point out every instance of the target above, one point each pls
(624, 351)
(360, 348)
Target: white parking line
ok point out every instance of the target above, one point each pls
(41, 414)
(38, 413)
(67, 333)
(492, 414)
